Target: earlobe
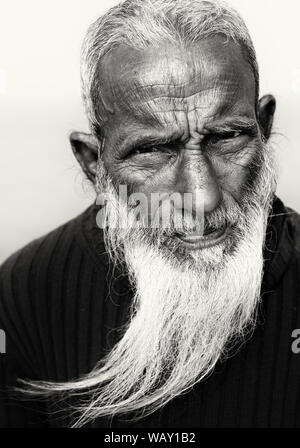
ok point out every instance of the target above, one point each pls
(85, 148)
(266, 111)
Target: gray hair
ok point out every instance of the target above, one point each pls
(145, 23)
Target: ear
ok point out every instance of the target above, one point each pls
(266, 111)
(85, 148)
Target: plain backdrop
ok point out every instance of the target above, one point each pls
(41, 185)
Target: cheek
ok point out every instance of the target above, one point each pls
(234, 172)
(137, 177)
(232, 179)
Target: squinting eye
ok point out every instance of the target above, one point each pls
(233, 134)
(229, 135)
(216, 138)
(146, 149)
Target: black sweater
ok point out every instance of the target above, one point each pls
(59, 303)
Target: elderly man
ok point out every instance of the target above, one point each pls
(151, 325)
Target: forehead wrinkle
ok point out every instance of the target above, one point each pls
(208, 102)
(138, 84)
(131, 76)
(140, 100)
(180, 66)
(205, 95)
(132, 89)
(182, 98)
(146, 93)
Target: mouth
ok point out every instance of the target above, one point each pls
(210, 237)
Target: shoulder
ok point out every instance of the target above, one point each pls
(56, 247)
(42, 253)
(42, 280)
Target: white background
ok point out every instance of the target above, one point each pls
(41, 185)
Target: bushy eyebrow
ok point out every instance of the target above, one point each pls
(237, 124)
(133, 142)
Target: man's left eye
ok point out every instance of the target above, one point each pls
(233, 134)
(228, 135)
(223, 137)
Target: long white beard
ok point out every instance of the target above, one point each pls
(186, 311)
(182, 320)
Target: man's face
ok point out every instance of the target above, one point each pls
(180, 119)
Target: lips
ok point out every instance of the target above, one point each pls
(210, 237)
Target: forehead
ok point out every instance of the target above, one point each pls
(210, 78)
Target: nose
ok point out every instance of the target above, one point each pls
(196, 174)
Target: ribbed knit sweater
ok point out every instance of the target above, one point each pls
(61, 304)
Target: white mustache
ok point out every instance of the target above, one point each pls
(180, 221)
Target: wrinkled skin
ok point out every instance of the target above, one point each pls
(179, 119)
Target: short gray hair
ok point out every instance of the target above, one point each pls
(145, 23)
